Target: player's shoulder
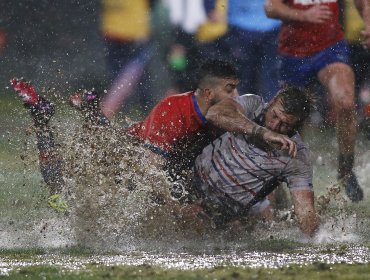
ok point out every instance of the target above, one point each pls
(251, 100)
(183, 95)
(251, 103)
(297, 138)
(303, 151)
(251, 97)
(179, 98)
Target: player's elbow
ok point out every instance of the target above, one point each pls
(223, 109)
(269, 10)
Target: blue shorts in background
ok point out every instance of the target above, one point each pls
(300, 71)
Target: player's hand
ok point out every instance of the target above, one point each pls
(280, 141)
(317, 14)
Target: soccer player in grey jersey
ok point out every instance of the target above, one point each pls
(235, 173)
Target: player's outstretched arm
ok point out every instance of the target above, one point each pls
(304, 208)
(228, 115)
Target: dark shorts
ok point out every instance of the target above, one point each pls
(300, 71)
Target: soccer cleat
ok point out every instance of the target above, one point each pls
(41, 109)
(88, 103)
(58, 203)
(25, 91)
(352, 188)
(87, 100)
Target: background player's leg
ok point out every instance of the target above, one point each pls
(339, 79)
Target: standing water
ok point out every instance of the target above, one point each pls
(112, 187)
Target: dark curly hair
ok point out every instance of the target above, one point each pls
(215, 68)
(298, 102)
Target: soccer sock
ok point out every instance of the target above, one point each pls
(50, 163)
(41, 111)
(345, 164)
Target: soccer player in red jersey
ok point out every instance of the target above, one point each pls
(182, 115)
(173, 120)
(312, 45)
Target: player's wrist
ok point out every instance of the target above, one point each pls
(258, 132)
(301, 15)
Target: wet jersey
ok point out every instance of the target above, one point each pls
(231, 167)
(171, 120)
(305, 38)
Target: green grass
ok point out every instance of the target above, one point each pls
(78, 269)
(315, 271)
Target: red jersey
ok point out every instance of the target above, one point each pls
(172, 119)
(304, 38)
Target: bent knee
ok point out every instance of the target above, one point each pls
(344, 100)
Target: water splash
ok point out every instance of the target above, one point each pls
(120, 202)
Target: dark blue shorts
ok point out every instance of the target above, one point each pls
(300, 71)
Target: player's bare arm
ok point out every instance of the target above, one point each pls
(228, 115)
(363, 6)
(279, 10)
(304, 209)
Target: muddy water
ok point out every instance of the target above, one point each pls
(110, 185)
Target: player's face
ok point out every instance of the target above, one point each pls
(277, 120)
(224, 88)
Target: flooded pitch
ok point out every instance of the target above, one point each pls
(112, 215)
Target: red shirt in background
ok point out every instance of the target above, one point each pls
(304, 38)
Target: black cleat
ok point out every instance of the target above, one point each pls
(352, 188)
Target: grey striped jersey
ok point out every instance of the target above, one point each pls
(232, 166)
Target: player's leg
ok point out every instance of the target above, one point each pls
(339, 80)
(41, 111)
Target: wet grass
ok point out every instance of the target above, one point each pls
(23, 192)
(23, 199)
(80, 263)
(93, 271)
